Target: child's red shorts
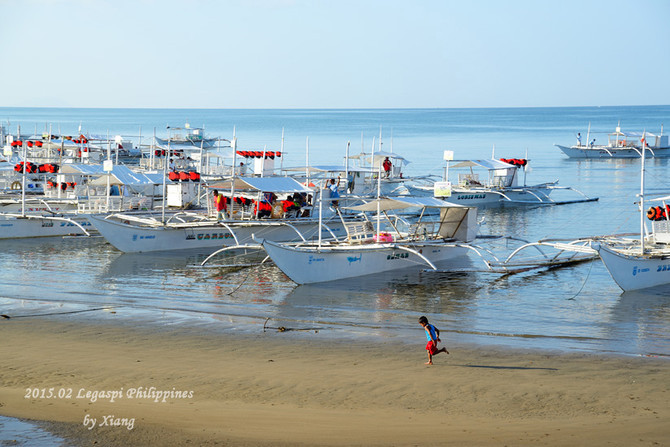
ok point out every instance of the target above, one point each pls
(431, 347)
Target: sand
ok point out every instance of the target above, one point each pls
(277, 389)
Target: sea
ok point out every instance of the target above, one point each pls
(574, 309)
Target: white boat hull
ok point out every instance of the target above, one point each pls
(485, 198)
(13, 227)
(135, 239)
(635, 272)
(611, 152)
(312, 265)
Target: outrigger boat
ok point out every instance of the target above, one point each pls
(188, 230)
(37, 219)
(367, 252)
(633, 262)
(500, 188)
(187, 136)
(643, 262)
(619, 145)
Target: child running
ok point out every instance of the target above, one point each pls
(433, 336)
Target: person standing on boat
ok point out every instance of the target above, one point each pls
(334, 193)
(433, 336)
(579, 139)
(387, 167)
(220, 204)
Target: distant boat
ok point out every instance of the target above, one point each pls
(619, 145)
(187, 136)
(498, 187)
(640, 263)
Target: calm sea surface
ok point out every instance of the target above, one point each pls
(578, 308)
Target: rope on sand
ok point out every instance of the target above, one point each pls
(286, 329)
(7, 317)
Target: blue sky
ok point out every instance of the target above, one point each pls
(334, 54)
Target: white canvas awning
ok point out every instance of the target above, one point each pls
(119, 175)
(264, 184)
(488, 164)
(122, 175)
(329, 169)
(399, 203)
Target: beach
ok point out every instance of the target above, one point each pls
(169, 385)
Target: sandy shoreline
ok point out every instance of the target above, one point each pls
(272, 390)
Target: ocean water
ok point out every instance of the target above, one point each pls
(19, 433)
(572, 309)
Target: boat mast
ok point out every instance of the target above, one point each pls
(165, 162)
(588, 134)
(320, 205)
(202, 142)
(306, 161)
(644, 145)
(346, 167)
(391, 150)
(379, 187)
(139, 142)
(281, 159)
(233, 144)
(109, 158)
(23, 178)
(372, 163)
(524, 168)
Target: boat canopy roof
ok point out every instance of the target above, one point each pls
(191, 146)
(328, 169)
(399, 203)
(634, 134)
(264, 184)
(381, 154)
(488, 164)
(122, 175)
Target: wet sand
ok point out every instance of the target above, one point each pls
(304, 389)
